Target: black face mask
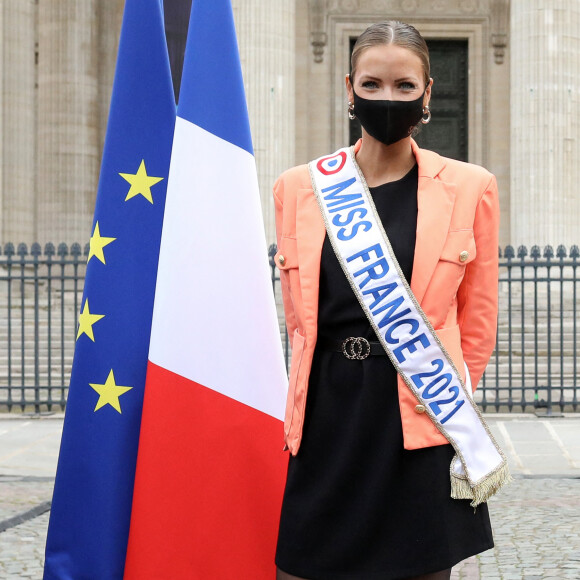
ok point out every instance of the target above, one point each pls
(388, 121)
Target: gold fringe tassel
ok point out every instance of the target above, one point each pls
(460, 488)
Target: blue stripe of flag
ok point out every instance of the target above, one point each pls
(212, 90)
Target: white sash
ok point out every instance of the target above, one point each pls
(479, 467)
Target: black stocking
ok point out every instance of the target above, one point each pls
(285, 576)
(441, 575)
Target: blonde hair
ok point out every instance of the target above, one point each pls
(392, 32)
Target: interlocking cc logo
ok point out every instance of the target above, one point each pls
(356, 348)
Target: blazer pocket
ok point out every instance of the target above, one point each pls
(459, 247)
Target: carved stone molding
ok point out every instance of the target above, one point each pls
(317, 10)
(409, 5)
(468, 6)
(413, 7)
(318, 41)
(500, 10)
(440, 5)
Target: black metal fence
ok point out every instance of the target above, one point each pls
(535, 363)
(40, 294)
(534, 366)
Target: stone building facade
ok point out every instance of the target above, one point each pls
(522, 70)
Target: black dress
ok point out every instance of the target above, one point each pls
(357, 506)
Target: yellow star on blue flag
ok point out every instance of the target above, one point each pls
(141, 183)
(86, 321)
(97, 243)
(109, 393)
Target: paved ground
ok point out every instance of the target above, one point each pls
(536, 520)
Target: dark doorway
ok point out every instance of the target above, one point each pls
(447, 132)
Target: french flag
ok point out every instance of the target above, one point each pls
(210, 468)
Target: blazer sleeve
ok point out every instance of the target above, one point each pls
(477, 297)
(284, 274)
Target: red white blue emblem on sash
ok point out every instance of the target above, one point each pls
(332, 164)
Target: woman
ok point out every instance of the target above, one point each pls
(368, 490)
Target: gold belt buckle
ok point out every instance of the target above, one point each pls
(356, 348)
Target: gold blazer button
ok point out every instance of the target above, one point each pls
(420, 409)
(463, 256)
(281, 259)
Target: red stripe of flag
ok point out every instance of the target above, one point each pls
(216, 515)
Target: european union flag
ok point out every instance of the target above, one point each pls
(91, 508)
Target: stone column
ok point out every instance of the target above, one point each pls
(110, 20)
(545, 122)
(18, 121)
(68, 119)
(2, 101)
(265, 30)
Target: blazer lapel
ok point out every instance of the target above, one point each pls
(435, 200)
(310, 232)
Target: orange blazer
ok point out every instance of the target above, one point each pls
(455, 277)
